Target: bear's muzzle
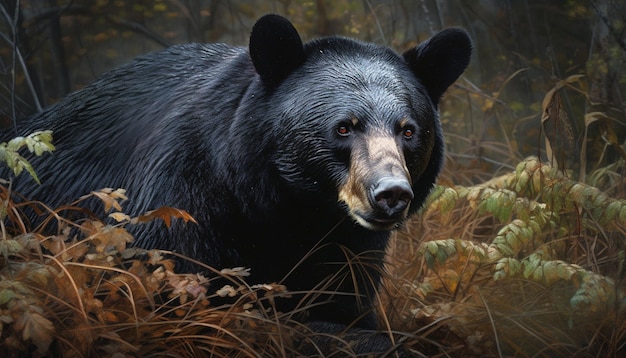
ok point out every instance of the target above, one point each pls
(390, 197)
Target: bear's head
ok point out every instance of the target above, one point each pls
(356, 119)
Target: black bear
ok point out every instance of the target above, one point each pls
(296, 160)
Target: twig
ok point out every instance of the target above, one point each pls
(12, 22)
(608, 24)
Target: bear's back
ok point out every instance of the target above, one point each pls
(117, 121)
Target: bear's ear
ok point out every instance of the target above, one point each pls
(439, 61)
(275, 48)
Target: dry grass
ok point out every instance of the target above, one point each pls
(529, 264)
(96, 296)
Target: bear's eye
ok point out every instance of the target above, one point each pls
(408, 133)
(343, 130)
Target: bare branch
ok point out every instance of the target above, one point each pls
(77, 10)
(609, 24)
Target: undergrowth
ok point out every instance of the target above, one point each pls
(60, 296)
(85, 291)
(527, 264)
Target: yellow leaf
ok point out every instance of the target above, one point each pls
(236, 271)
(119, 194)
(119, 217)
(107, 200)
(451, 279)
(227, 290)
(594, 116)
(112, 236)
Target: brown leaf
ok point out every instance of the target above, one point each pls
(557, 126)
(164, 213)
(114, 236)
(75, 251)
(109, 198)
(119, 194)
(109, 317)
(55, 244)
(91, 227)
(227, 290)
(236, 271)
(38, 329)
(119, 216)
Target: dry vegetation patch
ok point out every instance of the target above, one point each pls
(527, 264)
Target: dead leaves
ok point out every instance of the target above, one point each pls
(561, 146)
(20, 312)
(109, 197)
(84, 292)
(67, 287)
(164, 213)
(236, 271)
(35, 328)
(111, 200)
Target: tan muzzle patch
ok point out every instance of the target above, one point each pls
(373, 158)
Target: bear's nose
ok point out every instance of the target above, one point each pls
(392, 195)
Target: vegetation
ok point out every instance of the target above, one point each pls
(530, 263)
(38, 143)
(60, 296)
(519, 252)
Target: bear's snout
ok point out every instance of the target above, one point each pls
(391, 196)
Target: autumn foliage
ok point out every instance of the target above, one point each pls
(529, 263)
(98, 297)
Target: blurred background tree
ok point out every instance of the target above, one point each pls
(547, 78)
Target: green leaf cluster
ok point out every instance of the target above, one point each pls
(37, 143)
(532, 230)
(537, 209)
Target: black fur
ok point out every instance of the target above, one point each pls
(246, 142)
